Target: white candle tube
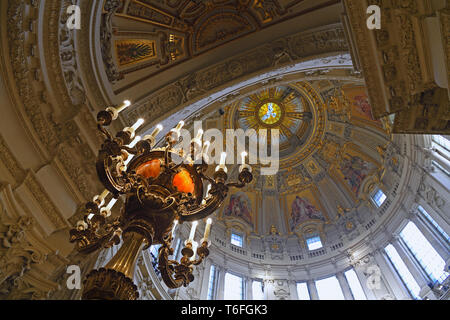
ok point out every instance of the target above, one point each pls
(221, 165)
(135, 141)
(111, 204)
(101, 197)
(130, 157)
(206, 147)
(157, 130)
(191, 235)
(138, 123)
(243, 155)
(194, 248)
(207, 229)
(199, 134)
(90, 216)
(179, 125)
(104, 194)
(223, 157)
(175, 223)
(208, 188)
(125, 105)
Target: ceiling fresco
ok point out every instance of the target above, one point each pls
(325, 172)
(175, 31)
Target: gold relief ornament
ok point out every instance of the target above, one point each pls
(349, 225)
(273, 230)
(341, 211)
(159, 193)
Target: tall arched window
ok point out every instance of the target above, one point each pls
(212, 283)
(441, 146)
(257, 290)
(423, 251)
(329, 289)
(433, 223)
(302, 291)
(234, 287)
(355, 285)
(403, 271)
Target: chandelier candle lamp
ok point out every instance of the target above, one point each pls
(158, 195)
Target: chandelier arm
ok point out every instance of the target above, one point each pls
(133, 150)
(88, 241)
(166, 268)
(104, 131)
(238, 185)
(199, 260)
(204, 210)
(205, 177)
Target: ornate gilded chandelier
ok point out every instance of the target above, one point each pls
(159, 193)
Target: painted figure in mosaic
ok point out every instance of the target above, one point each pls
(239, 206)
(355, 170)
(303, 210)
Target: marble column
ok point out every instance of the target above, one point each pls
(205, 279)
(221, 283)
(393, 280)
(363, 281)
(344, 286)
(293, 289)
(248, 288)
(312, 290)
(413, 267)
(437, 243)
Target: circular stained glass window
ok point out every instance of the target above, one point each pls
(269, 113)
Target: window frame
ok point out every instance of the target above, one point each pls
(314, 237)
(426, 217)
(253, 289)
(242, 281)
(405, 283)
(307, 290)
(241, 237)
(358, 281)
(421, 263)
(327, 278)
(373, 195)
(212, 283)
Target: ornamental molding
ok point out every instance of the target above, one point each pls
(8, 159)
(106, 30)
(57, 133)
(21, 252)
(398, 66)
(44, 201)
(190, 88)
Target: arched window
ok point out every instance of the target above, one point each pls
(234, 287)
(258, 290)
(329, 289)
(212, 283)
(441, 145)
(314, 243)
(302, 291)
(435, 225)
(379, 197)
(423, 251)
(237, 239)
(355, 285)
(403, 271)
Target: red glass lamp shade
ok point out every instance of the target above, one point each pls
(183, 182)
(150, 169)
